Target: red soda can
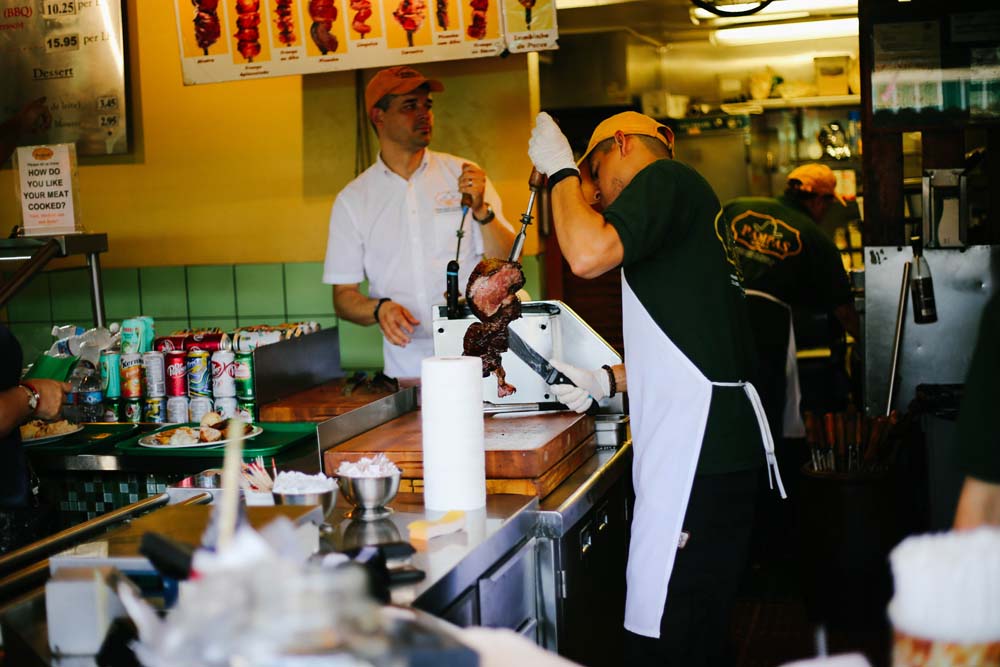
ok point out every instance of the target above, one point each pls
(176, 362)
(170, 343)
(209, 342)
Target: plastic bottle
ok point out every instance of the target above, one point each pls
(922, 286)
(89, 395)
(854, 132)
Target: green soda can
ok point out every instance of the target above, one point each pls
(243, 373)
(148, 333)
(112, 410)
(111, 379)
(132, 410)
(246, 410)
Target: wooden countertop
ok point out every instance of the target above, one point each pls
(324, 401)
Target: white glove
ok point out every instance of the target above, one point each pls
(590, 386)
(548, 147)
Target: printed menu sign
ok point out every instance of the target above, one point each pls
(71, 53)
(228, 40)
(45, 188)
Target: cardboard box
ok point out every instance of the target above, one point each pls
(832, 75)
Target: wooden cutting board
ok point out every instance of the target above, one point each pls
(517, 446)
(321, 402)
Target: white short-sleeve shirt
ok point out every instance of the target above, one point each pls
(400, 235)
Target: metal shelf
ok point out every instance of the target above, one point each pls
(759, 106)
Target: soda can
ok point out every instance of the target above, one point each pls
(131, 375)
(246, 410)
(243, 376)
(111, 379)
(177, 372)
(226, 406)
(177, 409)
(148, 333)
(199, 374)
(156, 384)
(154, 410)
(248, 341)
(170, 343)
(198, 408)
(132, 410)
(223, 384)
(209, 342)
(112, 410)
(131, 335)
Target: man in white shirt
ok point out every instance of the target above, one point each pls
(400, 222)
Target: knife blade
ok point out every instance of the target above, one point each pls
(535, 361)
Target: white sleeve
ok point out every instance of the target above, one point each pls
(345, 248)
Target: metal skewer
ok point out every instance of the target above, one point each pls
(535, 183)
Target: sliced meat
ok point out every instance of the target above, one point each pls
(492, 297)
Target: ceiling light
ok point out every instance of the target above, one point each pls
(777, 10)
(786, 32)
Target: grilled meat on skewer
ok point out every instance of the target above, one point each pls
(247, 34)
(477, 29)
(442, 14)
(410, 14)
(363, 11)
(323, 13)
(492, 297)
(207, 28)
(285, 21)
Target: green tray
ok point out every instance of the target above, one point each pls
(91, 437)
(277, 436)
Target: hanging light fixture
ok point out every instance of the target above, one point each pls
(779, 10)
(786, 32)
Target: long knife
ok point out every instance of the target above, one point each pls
(535, 361)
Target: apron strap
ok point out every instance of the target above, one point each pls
(773, 474)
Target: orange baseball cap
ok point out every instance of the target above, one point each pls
(629, 122)
(397, 81)
(817, 179)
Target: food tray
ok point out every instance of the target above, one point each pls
(277, 436)
(91, 437)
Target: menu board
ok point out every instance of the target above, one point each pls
(70, 52)
(229, 40)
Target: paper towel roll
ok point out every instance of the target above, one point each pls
(452, 417)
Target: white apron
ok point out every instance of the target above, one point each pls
(792, 425)
(669, 400)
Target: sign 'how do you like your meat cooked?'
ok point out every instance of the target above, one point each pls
(232, 40)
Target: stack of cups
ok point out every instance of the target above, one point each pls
(946, 607)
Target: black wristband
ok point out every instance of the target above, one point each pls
(378, 307)
(561, 174)
(612, 383)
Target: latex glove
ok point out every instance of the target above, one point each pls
(590, 386)
(548, 147)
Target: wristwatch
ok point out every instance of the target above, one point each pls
(33, 397)
(489, 216)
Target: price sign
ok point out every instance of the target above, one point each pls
(108, 120)
(61, 43)
(58, 9)
(107, 103)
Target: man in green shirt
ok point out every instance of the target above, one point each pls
(697, 425)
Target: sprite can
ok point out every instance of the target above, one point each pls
(132, 410)
(131, 335)
(243, 374)
(112, 409)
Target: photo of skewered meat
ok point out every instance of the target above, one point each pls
(207, 28)
(410, 14)
(323, 13)
(492, 297)
(477, 29)
(284, 20)
(527, 4)
(442, 14)
(248, 28)
(362, 12)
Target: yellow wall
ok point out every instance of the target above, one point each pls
(247, 171)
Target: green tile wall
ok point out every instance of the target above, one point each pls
(211, 291)
(260, 289)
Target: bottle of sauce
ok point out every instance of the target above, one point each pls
(921, 285)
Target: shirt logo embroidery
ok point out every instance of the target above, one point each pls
(767, 235)
(448, 201)
(725, 237)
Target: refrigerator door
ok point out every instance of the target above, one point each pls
(721, 156)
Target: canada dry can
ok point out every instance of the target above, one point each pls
(177, 372)
(152, 364)
(226, 406)
(245, 410)
(131, 337)
(248, 341)
(208, 342)
(199, 407)
(132, 410)
(111, 379)
(223, 384)
(131, 375)
(112, 410)
(154, 410)
(199, 374)
(243, 376)
(177, 409)
(169, 343)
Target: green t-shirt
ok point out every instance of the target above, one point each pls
(784, 253)
(978, 431)
(679, 262)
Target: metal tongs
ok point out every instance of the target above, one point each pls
(535, 183)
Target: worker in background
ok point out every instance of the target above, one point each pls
(400, 222)
(978, 436)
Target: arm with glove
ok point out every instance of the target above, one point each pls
(590, 245)
(588, 385)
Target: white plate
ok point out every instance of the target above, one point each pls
(51, 438)
(148, 441)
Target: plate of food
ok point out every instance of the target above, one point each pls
(206, 435)
(37, 431)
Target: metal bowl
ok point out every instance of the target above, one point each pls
(369, 495)
(325, 499)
